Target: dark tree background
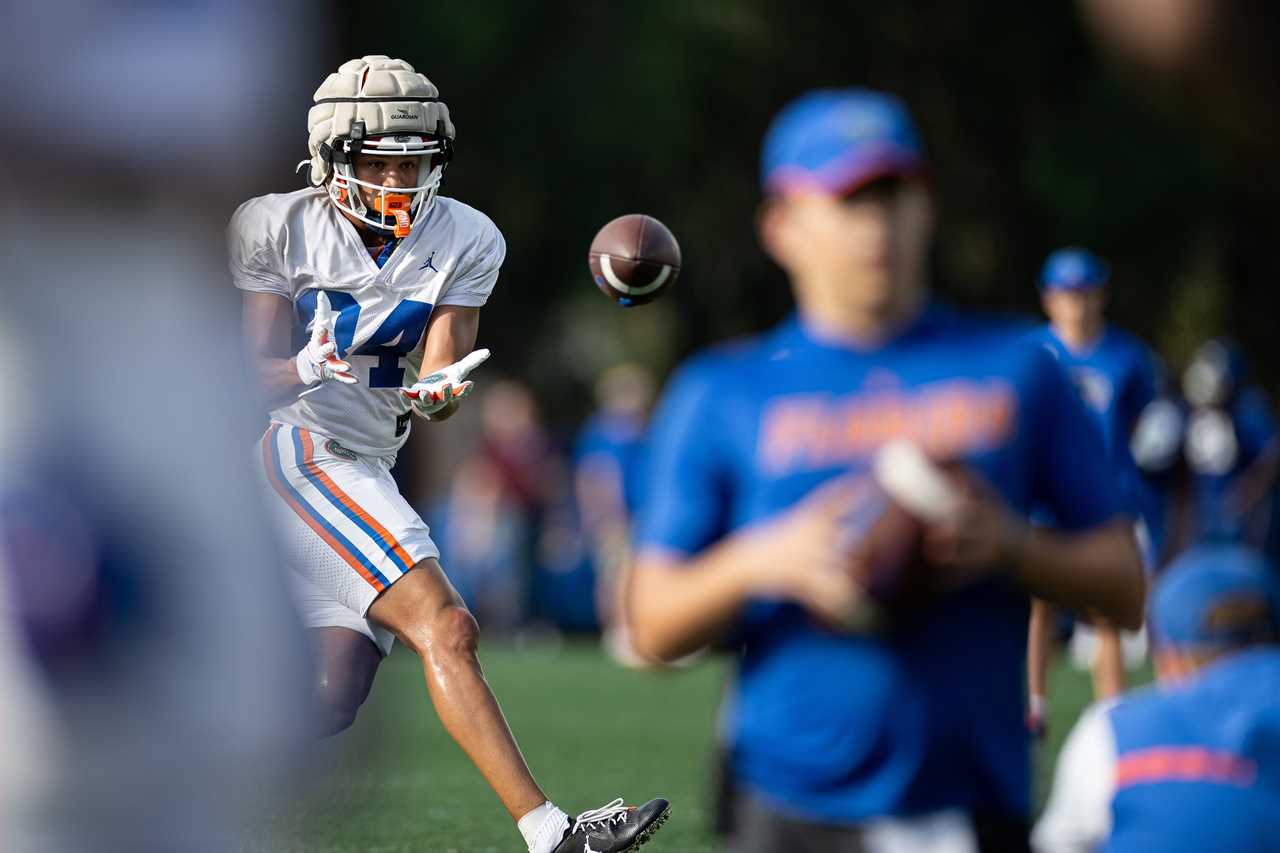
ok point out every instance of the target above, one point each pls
(571, 113)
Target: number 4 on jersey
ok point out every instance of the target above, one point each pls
(395, 338)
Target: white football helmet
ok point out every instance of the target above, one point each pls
(378, 105)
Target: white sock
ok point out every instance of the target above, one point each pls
(543, 828)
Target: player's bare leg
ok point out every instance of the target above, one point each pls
(1108, 666)
(429, 617)
(1041, 641)
(345, 663)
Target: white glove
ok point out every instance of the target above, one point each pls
(318, 360)
(432, 393)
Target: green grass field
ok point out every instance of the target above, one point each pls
(396, 783)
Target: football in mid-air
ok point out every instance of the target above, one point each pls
(634, 259)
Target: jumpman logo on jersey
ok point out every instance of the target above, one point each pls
(428, 265)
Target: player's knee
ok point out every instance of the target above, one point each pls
(341, 688)
(335, 707)
(449, 632)
(456, 631)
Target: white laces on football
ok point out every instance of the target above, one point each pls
(614, 812)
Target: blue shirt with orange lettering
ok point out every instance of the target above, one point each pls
(1198, 766)
(835, 727)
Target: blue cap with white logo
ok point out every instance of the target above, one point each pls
(836, 140)
(1073, 269)
(1216, 597)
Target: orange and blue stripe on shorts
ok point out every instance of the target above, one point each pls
(313, 513)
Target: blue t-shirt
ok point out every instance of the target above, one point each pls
(836, 727)
(1198, 767)
(1116, 378)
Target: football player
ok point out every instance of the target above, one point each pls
(1191, 763)
(362, 296)
(1232, 447)
(1115, 374)
(909, 737)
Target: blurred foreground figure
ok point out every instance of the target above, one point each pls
(147, 628)
(1194, 763)
(909, 736)
(142, 588)
(1115, 374)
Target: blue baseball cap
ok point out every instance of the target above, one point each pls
(836, 140)
(1073, 269)
(1216, 597)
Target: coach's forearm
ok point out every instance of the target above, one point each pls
(675, 608)
(1098, 570)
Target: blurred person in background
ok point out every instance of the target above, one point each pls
(551, 567)
(609, 458)
(147, 624)
(1215, 450)
(563, 592)
(516, 549)
(362, 295)
(514, 440)
(1115, 374)
(515, 446)
(484, 535)
(1192, 763)
(1232, 447)
(911, 737)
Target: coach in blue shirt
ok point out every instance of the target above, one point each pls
(914, 736)
(1193, 764)
(1115, 374)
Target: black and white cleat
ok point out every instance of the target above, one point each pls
(614, 827)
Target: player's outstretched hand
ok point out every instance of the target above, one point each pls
(318, 361)
(805, 555)
(982, 536)
(432, 393)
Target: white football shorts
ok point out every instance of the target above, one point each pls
(347, 531)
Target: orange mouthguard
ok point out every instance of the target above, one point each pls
(397, 205)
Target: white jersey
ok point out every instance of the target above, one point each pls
(297, 244)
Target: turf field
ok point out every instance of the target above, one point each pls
(591, 730)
